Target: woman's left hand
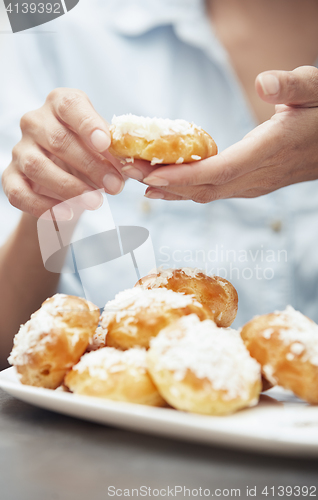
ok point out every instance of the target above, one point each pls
(279, 152)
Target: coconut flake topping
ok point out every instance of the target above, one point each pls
(109, 360)
(159, 277)
(98, 340)
(179, 160)
(155, 161)
(30, 335)
(216, 354)
(149, 128)
(55, 303)
(129, 302)
(300, 333)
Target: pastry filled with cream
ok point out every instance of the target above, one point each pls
(159, 140)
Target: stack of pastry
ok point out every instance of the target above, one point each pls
(162, 345)
(168, 341)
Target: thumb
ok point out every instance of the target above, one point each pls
(293, 88)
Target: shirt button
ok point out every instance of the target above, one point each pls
(276, 226)
(145, 207)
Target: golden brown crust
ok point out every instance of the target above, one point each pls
(128, 383)
(61, 333)
(195, 370)
(137, 330)
(198, 396)
(167, 148)
(280, 364)
(216, 293)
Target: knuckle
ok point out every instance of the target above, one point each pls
(67, 102)
(59, 92)
(66, 187)
(14, 196)
(199, 199)
(32, 165)
(89, 165)
(54, 94)
(27, 121)
(85, 123)
(204, 195)
(293, 85)
(59, 141)
(4, 181)
(16, 152)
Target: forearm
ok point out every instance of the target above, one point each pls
(24, 282)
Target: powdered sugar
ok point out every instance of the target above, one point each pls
(109, 360)
(179, 160)
(196, 157)
(216, 354)
(150, 129)
(129, 302)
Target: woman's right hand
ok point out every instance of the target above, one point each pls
(62, 154)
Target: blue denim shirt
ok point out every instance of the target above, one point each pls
(161, 58)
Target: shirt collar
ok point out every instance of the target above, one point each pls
(135, 17)
(188, 18)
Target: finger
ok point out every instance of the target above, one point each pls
(243, 157)
(294, 88)
(74, 109)
(56, 182)
(66, 145)
(258, 182)
(137, 170)
(157, 194)
(21, 196)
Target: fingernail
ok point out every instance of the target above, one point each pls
(156, 181)
(100, 140)
(113, 184)
(155, 195)
(269, 84)
(92, 199)
(133, 173)
(63, 212)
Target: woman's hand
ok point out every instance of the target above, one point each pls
(62, 154)
(281, 151)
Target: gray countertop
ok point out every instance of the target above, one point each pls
(47, 456)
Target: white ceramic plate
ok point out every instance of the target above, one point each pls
(280, 423)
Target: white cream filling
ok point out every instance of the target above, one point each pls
(150, 129)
